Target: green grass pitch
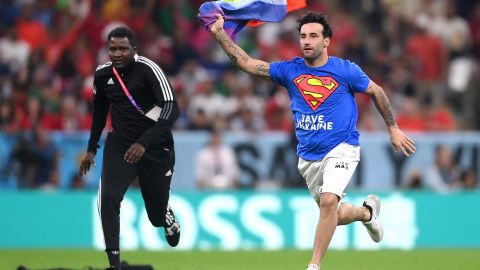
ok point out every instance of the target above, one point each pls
(431, 259)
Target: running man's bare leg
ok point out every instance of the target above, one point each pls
(348, 213)
(329, 218)
(326, 226)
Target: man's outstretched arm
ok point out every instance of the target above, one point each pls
(237, 54)
(399, 140)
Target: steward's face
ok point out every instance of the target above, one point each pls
(120, 51)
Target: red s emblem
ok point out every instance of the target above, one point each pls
(315, 90)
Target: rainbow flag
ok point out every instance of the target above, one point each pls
(239, 13)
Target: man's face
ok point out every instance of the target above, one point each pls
(312, 42)
(120, 51)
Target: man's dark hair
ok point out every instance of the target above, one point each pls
(121, 32)
(313, 17)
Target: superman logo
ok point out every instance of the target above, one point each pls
(315, 90)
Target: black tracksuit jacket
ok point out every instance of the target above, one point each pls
(148, 86)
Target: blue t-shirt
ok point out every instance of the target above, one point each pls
(322, 102)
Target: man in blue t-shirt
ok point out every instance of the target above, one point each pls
(322, 89)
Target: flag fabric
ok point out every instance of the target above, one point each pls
(239, 13)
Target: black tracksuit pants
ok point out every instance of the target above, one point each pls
(154, 171)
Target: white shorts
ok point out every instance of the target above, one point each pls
(332, 173)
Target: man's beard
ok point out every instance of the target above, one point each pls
(312, 57)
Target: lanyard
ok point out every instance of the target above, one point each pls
(125, 89)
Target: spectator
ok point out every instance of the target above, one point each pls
(34, 114)
(183, 120)
(216, 165)
(31, 30)
(410, 117)
(414, 181)
(370, 121)
(427, 57)
(46, 160)
(284, 165)
(245, 120)
(277, 112)
(468, 179)
(207, 100)
(13, 51)
(228, 83)
(443, 174)
(8, 123)
(246, 107)
(9, 12)
(73, 118)
(193, 75)
(452, 29)
(21, 162)
(438, 118)
(474, 23)
(200, 121)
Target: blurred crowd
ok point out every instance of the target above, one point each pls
(425, 54)
(444, 174)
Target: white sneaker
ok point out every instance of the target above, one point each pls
(374, 227)
(312, 267)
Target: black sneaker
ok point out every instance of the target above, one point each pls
(172, 228)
